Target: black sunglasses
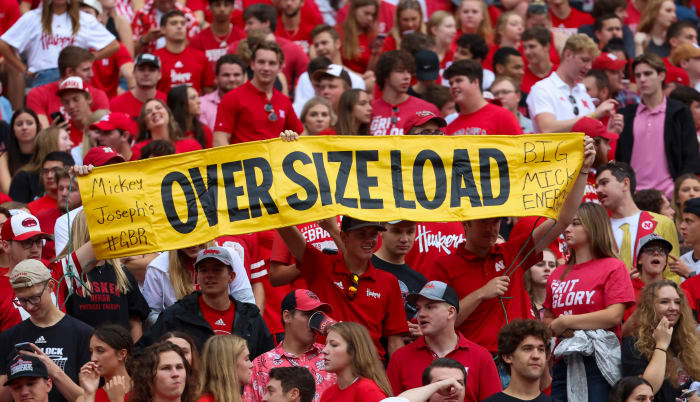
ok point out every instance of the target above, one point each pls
(394, 117)
(573, 102)
(272, 116)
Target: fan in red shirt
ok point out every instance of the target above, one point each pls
(146, 74)
(76, 101)
(566, 19)
(536, 45)
(485, 274)
(106, 72)
(360, 44)
(477, 117)
(159, 124)
(256, 110)
(214, 40)
(294, 22)
(181, 65)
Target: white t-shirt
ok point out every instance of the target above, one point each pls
(305, 91)
(42, 50)
(551, 95)
(688, 259)
(633, 222)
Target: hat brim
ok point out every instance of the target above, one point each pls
(213, 257)
(325, 307)
(60, 92)
(667, 245)
(29, 235)
(379, 226)
(412, 298)
(27, 375)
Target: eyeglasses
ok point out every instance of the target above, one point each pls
(654, 250)
(503, 92)
(33, 300)
(27, 244)
(352, 289)
(394, 117)
(272, 116)
(573, 102)
(53, 170)
(428, 132)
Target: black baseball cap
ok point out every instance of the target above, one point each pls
(438, 291)
(350, 223)
(427, 65)
(25, 366)
(692, 206)
(147, 58)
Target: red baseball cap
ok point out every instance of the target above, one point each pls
(608, 61)
(421, 117)
(677, 75)
(71, 84)
(593, 128)
(100, 156)
(21, 227)
(114, 121)
(304, 300)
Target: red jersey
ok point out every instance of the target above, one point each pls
(9, 14)
(128, 104)
(106, 71)
(434, 240)
(589, 287)
(43, 100)
(377, 303)
(489, 120)
(407, 364)
(359, 63)
(242, 114)
(530, 79)
(214, 46)
(181, 146)
(691, 288)
(9, 312)
(40, 204)
(363, 389)
(190, 67)
(248, 249)
(467, 272)
(220, 321)
(302, 35)
(388, 119)
(570, 24)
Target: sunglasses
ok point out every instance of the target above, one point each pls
(272, 116)
(352, 289)
(394, 117)
(654, 250)
(573, 102)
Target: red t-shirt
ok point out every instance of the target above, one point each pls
(530, 79)
(407, 364)
(362, 390)
(190, 67)
(247, 247)
(9, 313)
(570, 24)
(43, 100)
(377, 305)
(383, 112)
(9, 14)
(242, 114)
(526, 224)
(359, 63)
(389, 44)
(208, 136)
(106, 71)
(47, 221)
(128, 104)
(101, 395)
(638, 286)
(295, 59)
(181, 146)
(489, 120)
(214, 46)
(385, 17)
(633, 16)
(467, 272)
(691, 288)
(302, 36)
(221, 321)
(589, 287)
(45, 202)
(434, 240)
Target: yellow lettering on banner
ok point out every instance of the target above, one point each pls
(182, 200)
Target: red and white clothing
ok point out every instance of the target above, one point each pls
(589, 287)
(434, 240)
(27, 36)
(312, 359)
(181, 146)
(407, 364)
(570, 24)
(190, 67)
(467, 272)
(362, 390)
(242, 114)
(552, 95)
(247, 247)
(489, 120)
(128, 104)
(43, 100)
(214, 46)
(530, 79)
(383, 113)
(302, 35)
(377, 303)
(106, 71)
(148, 18)
(220, 321)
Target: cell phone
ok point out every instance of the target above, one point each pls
(381, 36)
(57, 118)
(23, 346)
(687, 394)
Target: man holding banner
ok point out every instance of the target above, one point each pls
(488, 277)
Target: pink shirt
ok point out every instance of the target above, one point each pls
(208, 106)
(277, 357)
(648, 154)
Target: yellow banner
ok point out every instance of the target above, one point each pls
(182, 200)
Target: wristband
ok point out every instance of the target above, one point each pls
(584, 172)
(663, 350)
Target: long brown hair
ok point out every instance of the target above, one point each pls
(73, 11)
(347, 123)
(45, 143)
(649, 15)
(145, 367)
(363, 354)
(174, 131)
(218, 374)
(685, 345)
(350, 47)
(596, 223)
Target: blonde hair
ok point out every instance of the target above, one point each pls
(317, 101)
(595, 221)
(501, 24)
(402, 6)
(96, 116)
(180, 276)
(218, 374)
(685, 345)
(485, 29)
(46, 142)
(579, 43)
(363, 354)
(436, 19)
(350, 47)
(649, 15)
(79, 236)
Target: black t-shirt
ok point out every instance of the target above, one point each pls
(106, 303)
(25, 186)
(634, 364)
(501, 397)
(410, 281)
(67, 343)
